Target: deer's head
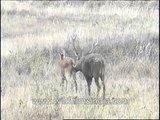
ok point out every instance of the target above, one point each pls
(80, 56)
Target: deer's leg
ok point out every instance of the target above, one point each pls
(97, 84)
(74, 78)
(63, 79)
(71, 77)
(70, 72)
(89, 81)
(66, 83)
(103, 84)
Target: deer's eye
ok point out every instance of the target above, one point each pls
(74, 65)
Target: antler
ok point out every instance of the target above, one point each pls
(62, 53)
(73, 39)
(94, 45)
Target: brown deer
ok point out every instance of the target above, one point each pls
(92, 66)
(66, 65)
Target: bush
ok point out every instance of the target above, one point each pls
(136, 69)
(31, 61)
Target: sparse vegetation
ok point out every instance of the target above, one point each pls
(34, 32)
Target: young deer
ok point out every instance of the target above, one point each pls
(92, 66)
(66, 65)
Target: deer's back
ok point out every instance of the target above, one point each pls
(67, 62)
(93, 65)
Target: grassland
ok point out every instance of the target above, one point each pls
(33, 33)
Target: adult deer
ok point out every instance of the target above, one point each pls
(92, 66)
(66, 65)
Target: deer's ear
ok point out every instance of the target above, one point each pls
(74, 65)
(61, 56)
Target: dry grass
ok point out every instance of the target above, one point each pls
(33, 32)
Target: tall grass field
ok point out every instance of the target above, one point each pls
(33, 33)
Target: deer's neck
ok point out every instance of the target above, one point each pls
(78, 68)
(79, 65)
